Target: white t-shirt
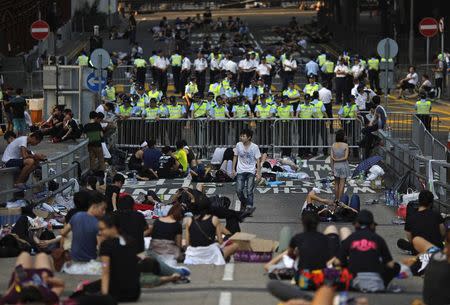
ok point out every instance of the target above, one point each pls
(247, 158)
(325, 95)
(13, 150)
(263, 69)
(414, 78)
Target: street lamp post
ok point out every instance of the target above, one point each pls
(411, 33)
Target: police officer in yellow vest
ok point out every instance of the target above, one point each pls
(216, 89)
(241, 109)
(311, 86)
(141, 102)
(226, 82)
(199, 108)
(263, 110)
(141, 68)
(175, 63)
(327, 73)
(83, 59)
(423, 109)
(153, 92)
(152, 112)
(284, 110)
(176, 111)
(125, 110)
(374, 72)
(109, 92)
(350, 109)
(320, 124)
(306, 128)
(219, 111)
(292, 94)
(322, 58)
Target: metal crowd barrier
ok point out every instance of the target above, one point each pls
(426, 142)
(70, 164)
(401, 124)
(208, 134)
(402, 158)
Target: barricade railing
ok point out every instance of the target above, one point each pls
(70, 164)
(402, 158)
(426, 142)
(208, 134)
(401, 124)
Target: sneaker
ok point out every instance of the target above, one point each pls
(394, 288)
(405, 245)
(183, 271)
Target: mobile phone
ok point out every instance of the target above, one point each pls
(21, 273)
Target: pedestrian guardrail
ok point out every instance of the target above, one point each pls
(427, 144)
(401, 124)
(69, 164)
(402, 157)
(207, 134)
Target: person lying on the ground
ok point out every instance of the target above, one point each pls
(423, 222)
(17, 154)
(314, 202)
(33, 282)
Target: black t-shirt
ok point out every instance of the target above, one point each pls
(76, 131)
(425, 224)
(436, 281)
(165, 230)
(202, 232)
(110, 190)
(133, 224)
(94, 133)
(313, 250)
(165, 166)
(18, 105)
(124, 284)
(364, 251)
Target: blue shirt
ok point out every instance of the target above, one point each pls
(312, 68)
(84, 237)
(249, 92)
(151, 158)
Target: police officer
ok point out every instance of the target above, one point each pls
(328, 73)
(141, 102)
(190, 90)
(306, 111)
(423, 108)
(263, 110)
(152, 112)
(311, 86)
(216, 89)
(124, 111)
(292, 94)
(141, 68)
(153, 92)
(153, 69)
(199, 108)
(200, 66)
(374, 73)
(241, 109)
(176, 111)
(175, 62)
(109, 92)
(320, 130)
(349, 111)
(83, 59)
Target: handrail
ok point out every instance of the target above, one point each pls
(72, 149)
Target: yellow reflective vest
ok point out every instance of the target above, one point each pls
(306, 111)
(423, 107)
(151, 113)
(374, 64)
(311, 88)
(319, 106)
(349, 111)
(264, 112)
(199, 110)
(284, 111)
(175, 112)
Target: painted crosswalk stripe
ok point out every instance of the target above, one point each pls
(225, 298)
(228, 272)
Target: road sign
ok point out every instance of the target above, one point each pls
(100, 58)
(93, 83)
(441, 25)
(387, 48)
(428, 27)
(39, 30)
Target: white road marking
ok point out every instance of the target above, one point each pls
(186, 182)
(225, 298)
(160, 181)
(228, 272)
(237, 205)
(289, 183)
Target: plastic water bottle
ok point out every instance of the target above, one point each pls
(134, 179)
(157, 210)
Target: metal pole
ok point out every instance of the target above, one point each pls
(99, 79)
(80, 90)
(411, 33)
(428, 53)
(387, 55)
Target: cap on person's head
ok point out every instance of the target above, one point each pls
(144, 144)
(365, 218)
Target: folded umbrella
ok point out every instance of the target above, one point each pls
(366, 164)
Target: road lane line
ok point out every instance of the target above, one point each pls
(228, 272)
(225, 298)
(237, 205)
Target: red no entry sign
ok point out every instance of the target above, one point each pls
(428, 27)
(39, 30)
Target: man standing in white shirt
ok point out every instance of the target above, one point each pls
(246, 71)
(200, 66)
(185, 71)
(289, 66)
(161, 65)
(263, 70)
(357, 70)
(246, 167)
(228, 65)
(326, 97)
(214, 69)
(341, 72)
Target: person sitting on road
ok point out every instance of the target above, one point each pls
(17, 154)
(367, 256)
(409, 82)
(204, 238)
(84, 228)
(166, 234)
(423, 222)
(33, 283)
(70, 129)
(54, 123)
